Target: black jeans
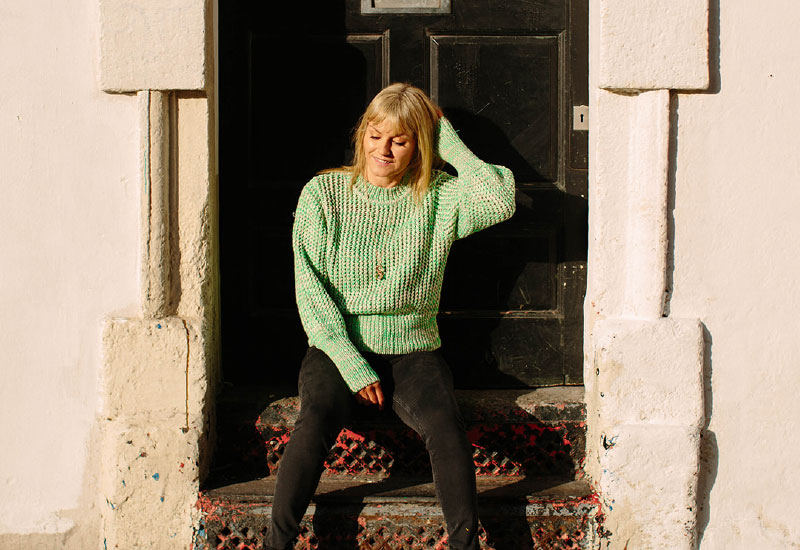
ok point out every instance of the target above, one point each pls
(419, 387)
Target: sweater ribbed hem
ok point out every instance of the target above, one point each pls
(391, 334)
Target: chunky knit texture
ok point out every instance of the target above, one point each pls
(369, 261)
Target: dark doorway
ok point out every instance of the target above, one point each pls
(295, 76)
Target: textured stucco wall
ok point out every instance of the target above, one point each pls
(737, 255)
(734, 175)
(69, 254)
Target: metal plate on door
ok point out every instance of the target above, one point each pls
(580, 117)
(405, 6)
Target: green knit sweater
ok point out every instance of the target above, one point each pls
(369, 261)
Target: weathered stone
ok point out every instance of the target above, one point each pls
(153, 45)
(649, 485)
(149, 363)
(651, 44)
(153, 425)
(649, 372)
(150, 483)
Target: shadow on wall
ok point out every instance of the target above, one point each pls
(674, 120)
(709, 451)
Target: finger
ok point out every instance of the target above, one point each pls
(371, 396)
(365, 396)
(379, 396)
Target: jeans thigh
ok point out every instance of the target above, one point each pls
(423, 394)
(322, 389)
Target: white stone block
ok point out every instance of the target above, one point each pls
(150, 365)
(648, 486)
(649, 372)
(152, 45)
(653, 44)
(150, 485)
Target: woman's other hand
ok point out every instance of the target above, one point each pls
(371, 395)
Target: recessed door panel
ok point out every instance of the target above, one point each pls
(503, 272)
(503, 90)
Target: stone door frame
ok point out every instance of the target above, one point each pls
(643, 368)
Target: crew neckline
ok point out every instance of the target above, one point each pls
(384, 195)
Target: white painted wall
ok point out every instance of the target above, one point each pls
(69, 252)
(737, 258)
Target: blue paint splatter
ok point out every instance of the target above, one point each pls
(162, 499)
(155, 476)
(158, 325)
(123, 483)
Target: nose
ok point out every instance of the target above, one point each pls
(386, 148)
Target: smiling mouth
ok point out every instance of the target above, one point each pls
(381, 161)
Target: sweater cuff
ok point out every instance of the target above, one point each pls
(450, 148)
(358, 377)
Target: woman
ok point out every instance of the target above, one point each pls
(370, 244)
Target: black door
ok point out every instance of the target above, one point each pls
(295, 76)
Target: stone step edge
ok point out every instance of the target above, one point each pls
(411, 490)
(588, 508)
(548, 404)
(508, 416)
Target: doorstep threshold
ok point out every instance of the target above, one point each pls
(410, 489)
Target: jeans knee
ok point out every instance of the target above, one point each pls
(440, 428)
(321, 419)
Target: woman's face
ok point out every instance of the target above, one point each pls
(388, 154)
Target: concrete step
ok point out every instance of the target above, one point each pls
(402, 514)
(515, 433)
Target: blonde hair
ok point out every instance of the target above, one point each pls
(409, 111)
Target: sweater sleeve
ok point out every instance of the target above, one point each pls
(483, 193)
(321, 318)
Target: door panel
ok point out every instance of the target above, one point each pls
(506, 83)
(295, 77)
(518, 273)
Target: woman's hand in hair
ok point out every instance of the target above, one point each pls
(371, 395)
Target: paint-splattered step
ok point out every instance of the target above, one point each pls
(516, 433)
(402, 514)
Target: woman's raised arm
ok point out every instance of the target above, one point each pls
(483, 193)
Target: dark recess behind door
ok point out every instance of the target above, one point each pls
(294, 77)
